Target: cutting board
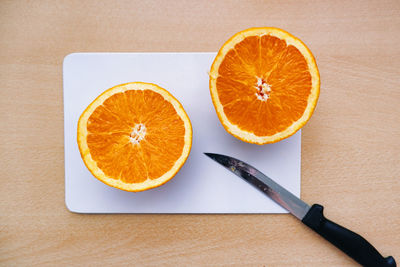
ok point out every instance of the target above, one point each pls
(201, 186)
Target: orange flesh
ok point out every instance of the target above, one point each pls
(268, 60)
(122, 154)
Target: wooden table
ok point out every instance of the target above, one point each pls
(350, 151)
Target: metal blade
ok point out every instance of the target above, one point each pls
(265, 184)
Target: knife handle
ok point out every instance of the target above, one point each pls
(349, 242)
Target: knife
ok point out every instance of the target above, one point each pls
(349, 242)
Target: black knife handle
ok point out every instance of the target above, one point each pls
(349, 242)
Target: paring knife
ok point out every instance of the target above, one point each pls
(349, 242)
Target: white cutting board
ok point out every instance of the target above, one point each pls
(201, 186)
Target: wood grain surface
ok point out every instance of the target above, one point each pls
(350, 151)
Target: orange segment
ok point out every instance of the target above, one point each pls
(134, 136)
(264, 84)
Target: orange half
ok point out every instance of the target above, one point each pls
(134, 136)
(264, 84)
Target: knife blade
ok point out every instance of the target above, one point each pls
(349, 242)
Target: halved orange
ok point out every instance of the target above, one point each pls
(134, 136)
(264, 85)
